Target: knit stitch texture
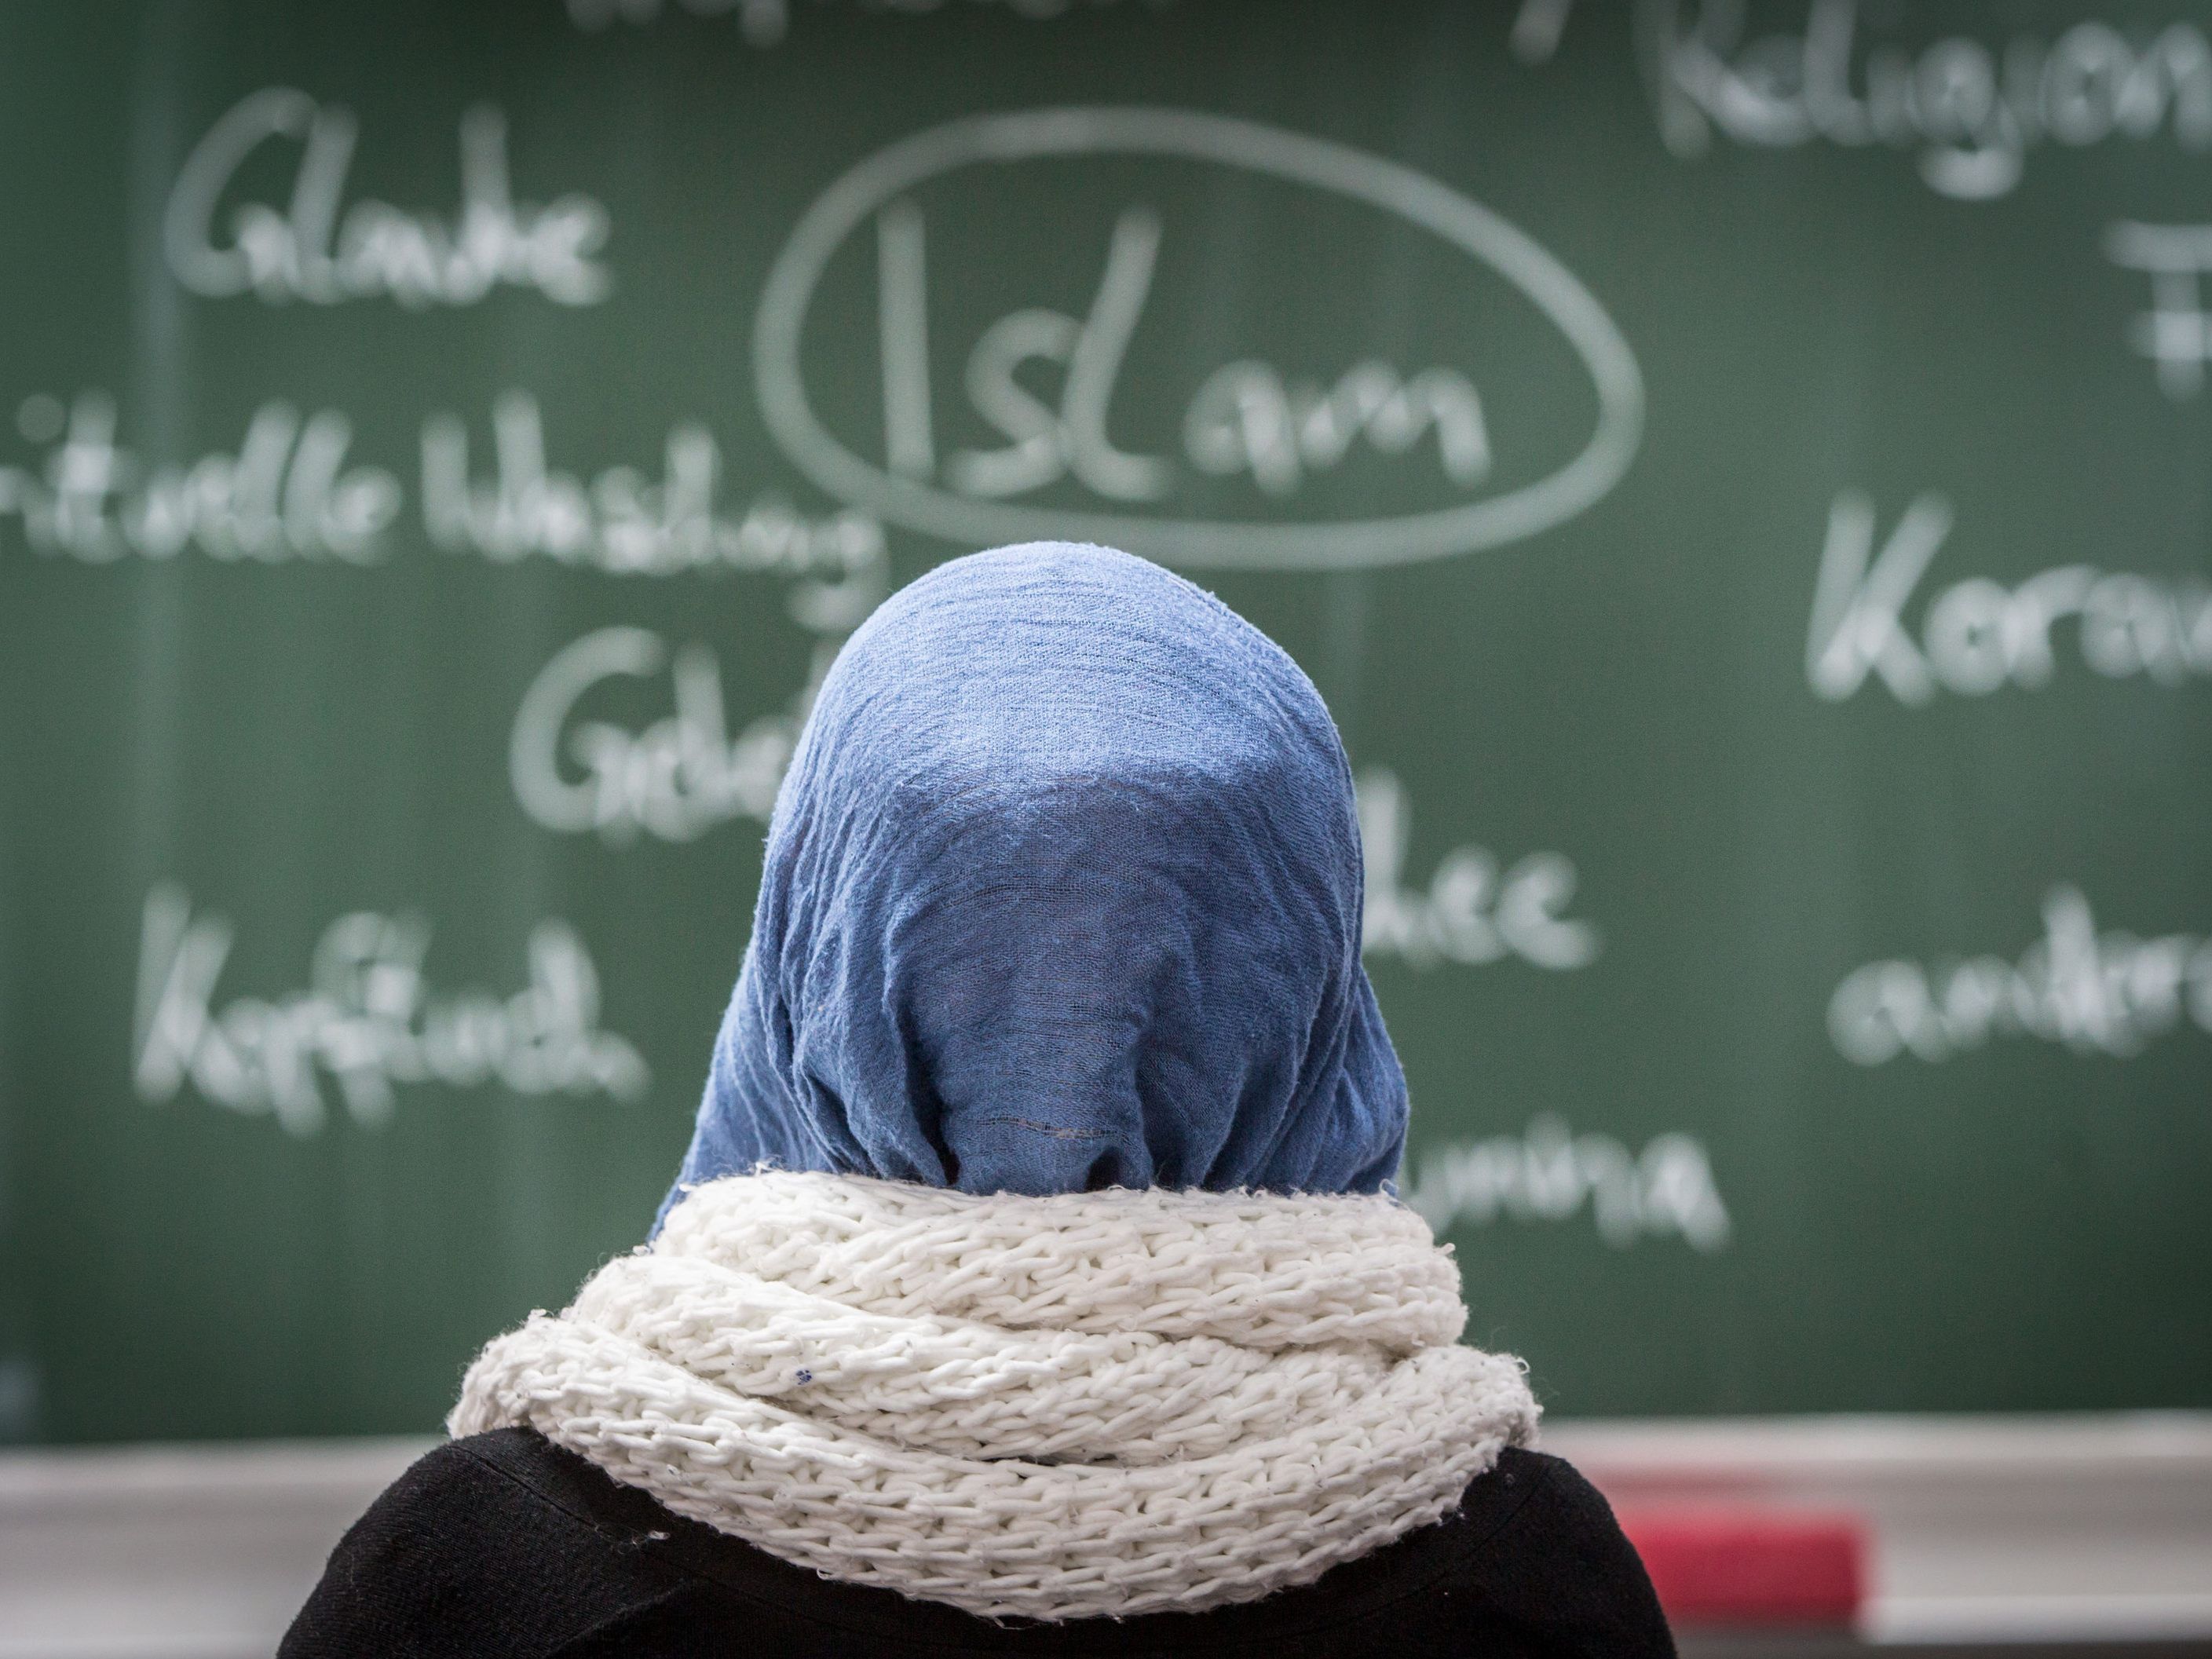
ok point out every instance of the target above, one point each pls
(1101, 1403)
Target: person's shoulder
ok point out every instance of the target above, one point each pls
(1538, 1544)
(485, 1546)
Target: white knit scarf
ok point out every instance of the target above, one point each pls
(1104, 1403)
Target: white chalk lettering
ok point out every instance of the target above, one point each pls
(1977, 636)
(1972, 109)
(369, 1021)
(2094, 993)
(1471, 913)
(286, 493)
(1550, 1174)
(624, 522)
(311, 250)
(676, 779)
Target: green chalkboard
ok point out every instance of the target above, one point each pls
(1739, 473)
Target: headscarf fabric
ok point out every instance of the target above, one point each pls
(1062, 891)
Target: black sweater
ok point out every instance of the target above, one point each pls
(503, 1546)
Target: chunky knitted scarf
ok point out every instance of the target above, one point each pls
(1098, 1403)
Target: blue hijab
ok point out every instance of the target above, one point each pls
(1062, 891)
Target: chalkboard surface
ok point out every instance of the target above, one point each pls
(1738, 472)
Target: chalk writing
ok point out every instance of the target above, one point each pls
(2176, 332)
(285, 493)
(1248, 417)
(624, 522)
(1972, 109)
(288, 492)
(766, 22)
(312, 251)
(369, 1021)
(677, 779)
(2095, 992)
(1552, 1175)
(1470, 913)
(1977, 636)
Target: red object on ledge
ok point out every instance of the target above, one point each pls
(1744, 1565)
